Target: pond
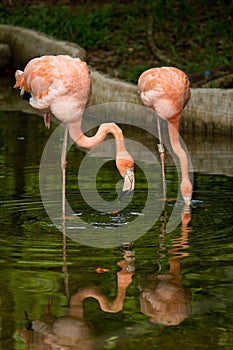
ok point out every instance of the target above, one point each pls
(67, 284)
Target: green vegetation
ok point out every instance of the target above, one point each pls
(123, 38)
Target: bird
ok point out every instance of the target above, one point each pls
(61, 85)
(166, 90)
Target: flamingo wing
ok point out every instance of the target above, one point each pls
(49, 78)
(164, 89)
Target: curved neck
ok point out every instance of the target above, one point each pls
(89, 142)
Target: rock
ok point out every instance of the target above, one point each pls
(209, 110)
(5, 56)
(26, 44)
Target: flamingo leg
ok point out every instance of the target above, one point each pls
(63, 166)
(161, 153)
(46, 115)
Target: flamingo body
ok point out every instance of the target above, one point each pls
(62, 84)
(166, 91)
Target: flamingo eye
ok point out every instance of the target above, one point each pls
(19, 73)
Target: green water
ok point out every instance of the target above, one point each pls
(186, 274)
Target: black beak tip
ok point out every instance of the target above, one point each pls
(123, 195)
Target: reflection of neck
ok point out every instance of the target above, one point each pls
(175, 270)
(76, 307)
(179, 244)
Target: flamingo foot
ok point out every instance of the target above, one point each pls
(46, 116)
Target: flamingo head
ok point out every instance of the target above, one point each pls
(186, 191)
(21, 84)
(125, 165)
(20, 81)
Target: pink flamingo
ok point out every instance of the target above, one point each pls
(62, 84)
(166, 91)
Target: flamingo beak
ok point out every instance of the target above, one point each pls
(187, 200)
(129, 183)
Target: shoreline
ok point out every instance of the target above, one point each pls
(208, 111)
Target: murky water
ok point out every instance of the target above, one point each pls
(168, 290)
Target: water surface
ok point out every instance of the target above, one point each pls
(167, 290)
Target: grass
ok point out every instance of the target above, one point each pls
(192, 35)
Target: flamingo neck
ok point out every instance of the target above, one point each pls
(123, 158)
(89, 142)
(186, 186)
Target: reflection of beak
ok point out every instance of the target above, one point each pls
(129, 183)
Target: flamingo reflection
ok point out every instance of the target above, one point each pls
(163, 298)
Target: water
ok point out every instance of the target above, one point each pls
(168, 290)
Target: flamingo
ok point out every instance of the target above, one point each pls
(62, 85)
(166, 91)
